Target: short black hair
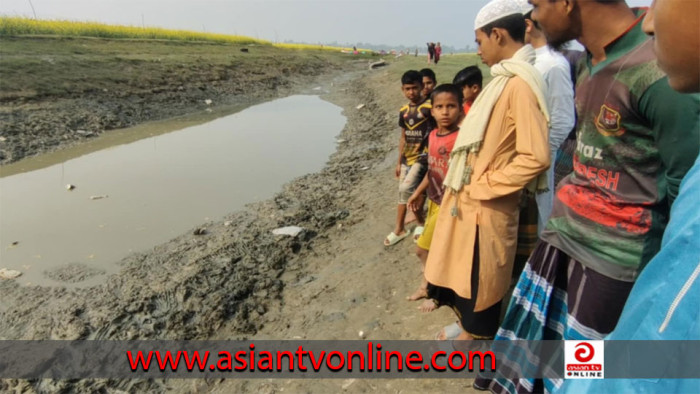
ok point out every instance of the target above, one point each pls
(514, 24)
(449, 88)
(534, 22)
(412, 77)
(468, 76)
(426, 72)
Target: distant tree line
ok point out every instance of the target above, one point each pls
(446, 49)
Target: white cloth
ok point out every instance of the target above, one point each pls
(472, 128)
(559, 92)
(525, 7)
(494, 11)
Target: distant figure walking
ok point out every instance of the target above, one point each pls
(431, 52)
(438, 52)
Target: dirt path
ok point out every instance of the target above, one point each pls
(239, 281)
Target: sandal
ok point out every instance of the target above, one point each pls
(417, 232)
(451, 332)
(393, 239)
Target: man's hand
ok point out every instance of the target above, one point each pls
(397, 171)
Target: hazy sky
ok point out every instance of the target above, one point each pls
(394, 22)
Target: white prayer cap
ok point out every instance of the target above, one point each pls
(495, 10)
(525, 7)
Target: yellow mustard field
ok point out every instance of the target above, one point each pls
(15, 26)
(18, 26)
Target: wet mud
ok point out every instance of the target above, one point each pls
(237, 280)
(34, 125)
(191, 286)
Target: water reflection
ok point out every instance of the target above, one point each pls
(157, 188)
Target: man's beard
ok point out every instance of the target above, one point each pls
(557, 46)
(557, 43)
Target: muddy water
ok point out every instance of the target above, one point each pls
(133, 196)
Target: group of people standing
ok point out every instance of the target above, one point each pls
(617, 251)
(434, 52)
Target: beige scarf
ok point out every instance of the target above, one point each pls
(473, 127)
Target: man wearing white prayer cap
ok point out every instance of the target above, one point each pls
(501, 149)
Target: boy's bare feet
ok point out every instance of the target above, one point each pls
(418, 295)
(427, 306)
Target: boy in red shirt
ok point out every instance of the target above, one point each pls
(447, 111)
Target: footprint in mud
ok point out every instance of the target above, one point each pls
(73, 273)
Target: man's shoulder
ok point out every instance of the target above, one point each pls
(637, 69)
(550, 59)
(560, 61)
(517, 89)
(642, 77)
(516, 85)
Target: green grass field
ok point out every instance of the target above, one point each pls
(33, 67)
(44, 58)
(40, 59)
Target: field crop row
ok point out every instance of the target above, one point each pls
(18, 26)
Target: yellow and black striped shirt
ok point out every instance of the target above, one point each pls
(417, 121)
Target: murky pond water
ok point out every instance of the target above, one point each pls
(133, 196)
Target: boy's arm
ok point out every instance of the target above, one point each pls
(402, 145)
(415, 202)
(531, 146)
(675, 121)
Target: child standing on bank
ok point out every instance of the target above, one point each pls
(416, 122)
(429, 82)
(470, 81)
(447, 111)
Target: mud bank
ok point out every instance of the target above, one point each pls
(240, 281)
(57, 92)
(192, 286)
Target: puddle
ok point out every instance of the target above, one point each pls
(154, 189)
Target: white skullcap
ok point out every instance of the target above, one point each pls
(496, 10)
(525, 7)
